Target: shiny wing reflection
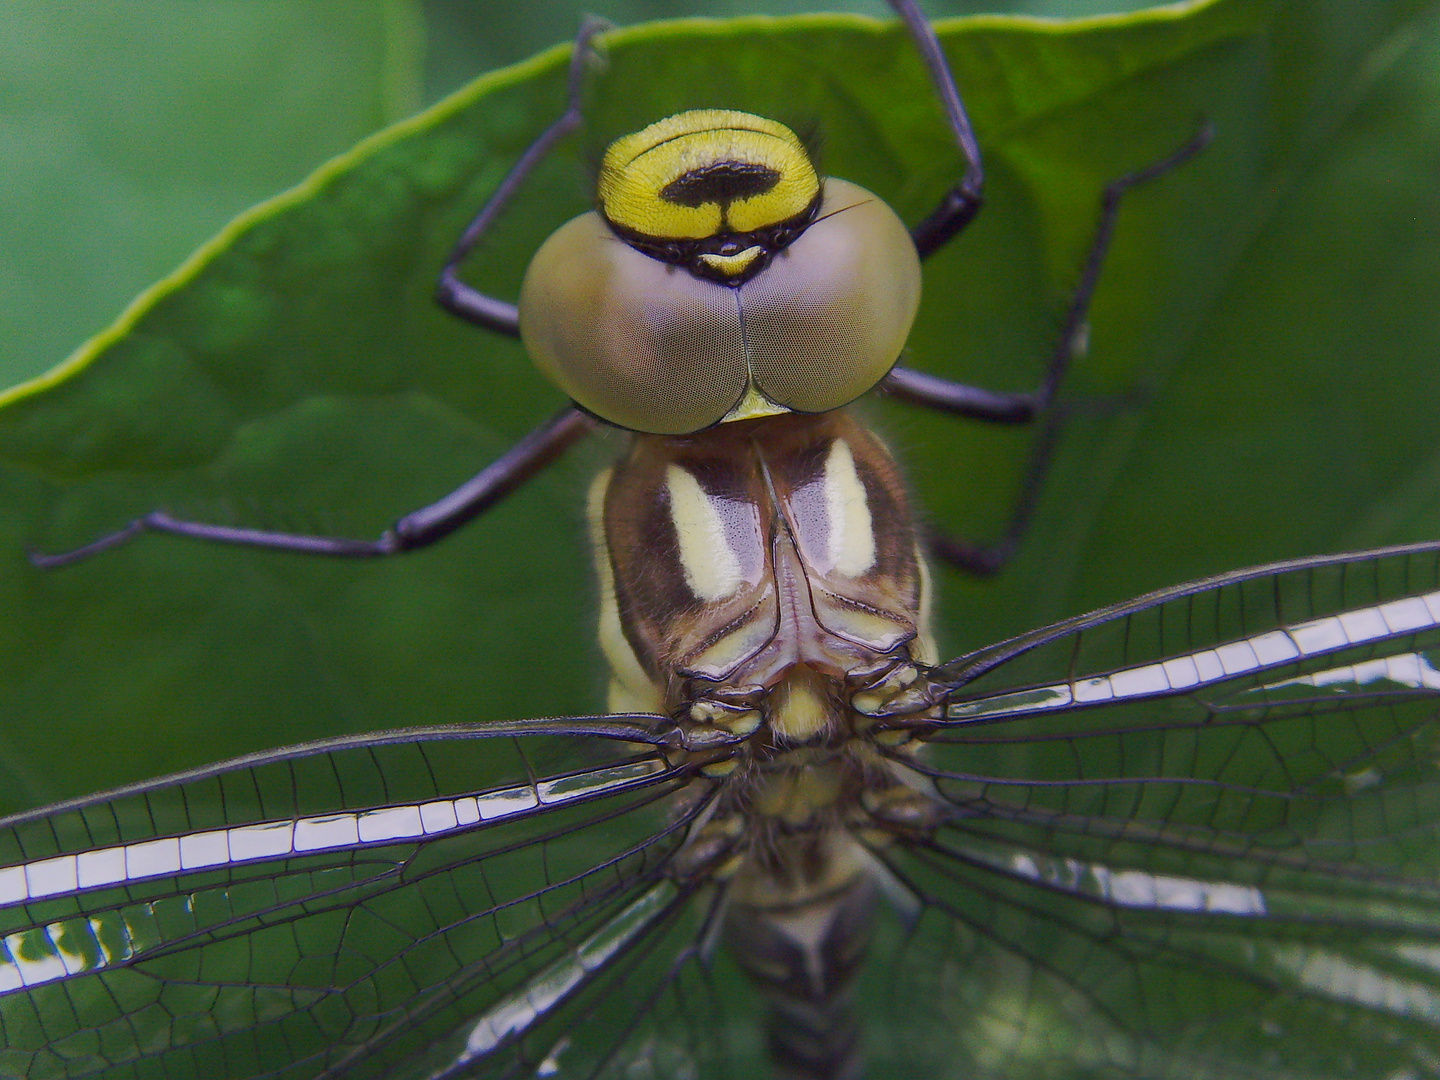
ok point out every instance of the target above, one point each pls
(338, 908)
(1194, 834)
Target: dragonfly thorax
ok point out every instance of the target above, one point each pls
(767, 568)
(761, 584)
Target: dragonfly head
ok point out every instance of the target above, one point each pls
(720, 279)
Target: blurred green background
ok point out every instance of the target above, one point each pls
(1274, 307)
(131, 132)
(1271, 309)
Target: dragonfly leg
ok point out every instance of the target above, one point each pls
(962, 202)
(415, 530)
(453, 294)
(1007, 407)
(984, 559)
(1002, 407)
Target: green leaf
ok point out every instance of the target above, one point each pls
(131, 132)
(1264, 321)
(463, 38)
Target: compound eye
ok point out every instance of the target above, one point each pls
(633, 340)
(632, 335)
(827, 319)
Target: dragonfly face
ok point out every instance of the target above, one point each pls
(1169, 838)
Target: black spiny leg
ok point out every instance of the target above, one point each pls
(453, 294)
(962, 202)
(422, 527)
(1001, 407)
(416, 529)
(988, 558)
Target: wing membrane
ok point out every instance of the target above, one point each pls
(1254, 620)
(1199, 838)
(1190, 835)
(342, 903)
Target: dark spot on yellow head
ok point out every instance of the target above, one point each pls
(721, 182)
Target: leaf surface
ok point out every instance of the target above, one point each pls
(1260, 380)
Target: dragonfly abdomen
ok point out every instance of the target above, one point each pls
(802, 943)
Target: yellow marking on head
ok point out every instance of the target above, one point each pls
(712, 569)
(753, 406)
(851, 545)
(700, 173)
(730, 265)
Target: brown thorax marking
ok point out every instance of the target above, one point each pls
(766, 591)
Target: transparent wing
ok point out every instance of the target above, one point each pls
(1193, 835)
(1190, 835)
(420, 903)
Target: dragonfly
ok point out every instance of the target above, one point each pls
(1177, 835)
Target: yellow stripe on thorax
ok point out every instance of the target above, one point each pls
(847, 505)
(631, 690)
(712, 569)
